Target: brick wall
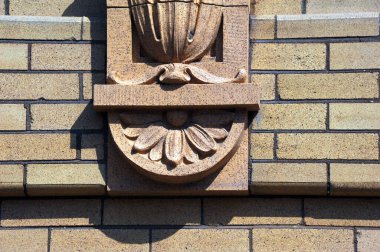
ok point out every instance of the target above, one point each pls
(314, 144)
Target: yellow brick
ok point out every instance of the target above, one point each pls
(329, 86)
(40, 28)
(250, 211)
(139, 212)
(266, 56)
(328, 146)
(355, 55)
(65, 116)
(266, 83)
(92, 147)
(262, 145)
(291, 116)
(273, 7)
(342, 212)
(65, 212)
(328, 25)
(368, 240)
(355, 179)
(88, 81)
(355, 116)
(65, 179)
(28, 240)
(302, 240)
(14, 56)
(37, 147)
(339, 6)
(200, 240)
(13, 117)
(289, 179)
(262, 27)
(11, 180)
(2, 8)
(57, 8)
(39, 86)
(68, 57)
(99, 240)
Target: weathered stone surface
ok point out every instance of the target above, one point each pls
(14, 56)
(65, 212)
(13, 117)
(328, 86)
(273, 7)
(92, 147)
(99, 239)
(328, 25)
(37, 147)
(302, 240)
(262, 27)
(89, 80)
(266, 82)
(200, 240)
(342, 212)
(339, 6)
(289, 179)
(280, 56)
(355, 116)
(355, 179)
(65, 179)
(249, 211)
(328, 146)
(139, 212)
(368, 240)
(27, 240)
(262, 145)
(11, 180)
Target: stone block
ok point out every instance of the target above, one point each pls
(89, 80)
(262, 27)
(92, 147)
(368, 240)
(94, 29)
(262, 145)
(13, 117)
(274, 7)
(266, 83)
(11, 180)
(14, 56)
(27, 240)
(342, 6)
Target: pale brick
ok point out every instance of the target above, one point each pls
(139, 212)
(339, 6)
(11, 180)
(14, 56)
(328, 146)
(355, 116)
(355, 55)
(65, 179)
(65, 116)
(88, 81)
(68, 57)
(65, 212)
(26, 240)
(368, 240)
(289, 179)
(250, 211)
(302, 240)
(328, 25)
(58, 7)
(99, 240)
(328, 86)
(262, 27)
(355, 179)
(30, 86)
(342, 212)
(13, 117)
(200, 240)
(94, 28)
(262, 145)
(40, 28)
(37, 147)
(92, 147)
(267, 85)
(274, 7)
(268, 56)
(291, 116)
(2, 7)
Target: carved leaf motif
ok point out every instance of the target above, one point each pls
(200, 139)
(157, 151)
(217, 133)
(212, 117)
(174, 146)
(135, 118)
(189, 154)
(133, 131)
(150, 137)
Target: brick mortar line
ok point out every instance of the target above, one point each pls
(250, 238)
(67, 131)
(306, 131)
(6, 6)
(321, 40)
(49, 240)
(69, 161)
(329, 188)
(25, 179)
(34, 71)
(328, 56)
(320, 101)
(53, 42)
(29, 57)
(313, 161)
(46, 102)
(81, 87)
(320, 71)
(303, 6)
(150, 240)
(355, 239)
(303, 223)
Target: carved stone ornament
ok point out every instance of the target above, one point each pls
(177, 97)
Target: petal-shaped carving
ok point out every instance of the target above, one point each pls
(150, 77)
(156, 153)
(133, 131)
(201, 76)
(200, 139)
(189, 154)
(174, 146)
(217, 133)
(136, 118)
(150, 137)
(212, 117)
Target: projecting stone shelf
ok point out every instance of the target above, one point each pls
(230, 95)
